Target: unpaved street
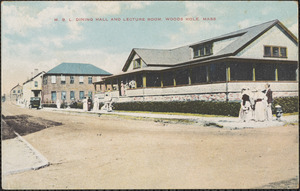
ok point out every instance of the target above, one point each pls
(88, 151)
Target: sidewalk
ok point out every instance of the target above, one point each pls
(224, 122)
(19, 156)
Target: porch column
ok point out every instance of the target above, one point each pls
(227, 72)
(111, 85)
(161, 80)
(144, 80)
(276, 72)
(105, 86)
(174, 79)
(207, 73)
(118, 83)
(253, 72)
(189, 76)
(135, 82)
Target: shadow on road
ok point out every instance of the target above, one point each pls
(23, 124)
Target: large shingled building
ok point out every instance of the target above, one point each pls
(212, 69)
(70, 82)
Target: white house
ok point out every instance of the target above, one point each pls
(32, 88)
(212, 69)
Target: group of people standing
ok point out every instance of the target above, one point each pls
(256, 104)
(87, 104)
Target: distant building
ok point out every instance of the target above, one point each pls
(32, 87)
(16, 93)
(215, 69)
(71, 81)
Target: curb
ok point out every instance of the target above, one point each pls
(44, 161)
(206, 121)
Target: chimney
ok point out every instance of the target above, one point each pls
(36, 71)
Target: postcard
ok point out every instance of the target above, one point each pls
(149, 94)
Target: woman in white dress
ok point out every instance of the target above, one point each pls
(58, 104)
(96, 104)
(245, 111)
(84, 101)
(259, 106)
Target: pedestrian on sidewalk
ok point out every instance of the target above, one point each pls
(89, 104)
(269, 100)
(96, 104)
(245, 111)
(84, 101)
(58, 104)
(259, 106)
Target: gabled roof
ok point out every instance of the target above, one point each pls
(15, 87)
(78, 69)
(31, 79)
(171, 57)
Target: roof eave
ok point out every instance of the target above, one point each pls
(255, 38)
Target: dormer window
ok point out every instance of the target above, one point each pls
(137, 63)
(203, 50)
(275, 51)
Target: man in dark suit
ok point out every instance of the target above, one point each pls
(268, 93)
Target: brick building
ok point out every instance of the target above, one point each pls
(70, 81)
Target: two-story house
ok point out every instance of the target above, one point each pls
(16, 93)
(32, 87)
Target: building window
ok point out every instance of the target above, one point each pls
(218, 72)
(90, 94)
(264, 72)
(71, 79)
(53, 96)
(283, 52)
(137, 63)
(241, 71)
(287, 72)
(53, 79)
(182, 77)
(72, 95)
(90, 80)
(80, 79)
(268, 51)
(203, 50)
(168, 79)
(81, 95)
(63, 95)
(198, 74)
(45, 80)
(153, 80)
(275, 51)
(18, 91)
(139, 80)
(35, 84)
(63, 79)
(14, 91)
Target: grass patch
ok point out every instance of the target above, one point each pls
(174, 113)
(288, 114)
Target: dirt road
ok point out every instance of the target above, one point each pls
(93, 152)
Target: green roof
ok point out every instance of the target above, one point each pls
(78, 68)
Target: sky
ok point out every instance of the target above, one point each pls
(34, 35)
